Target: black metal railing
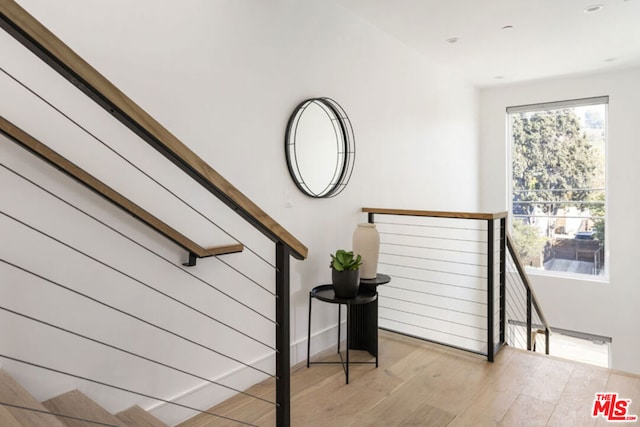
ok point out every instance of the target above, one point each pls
(526, 325)
(455, 281)
(87, 256)
(447, 272)
(34, 281)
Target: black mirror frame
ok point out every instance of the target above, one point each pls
(344, 137)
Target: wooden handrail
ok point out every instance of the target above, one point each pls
(438, 214)
(37, 38)
(31, 144)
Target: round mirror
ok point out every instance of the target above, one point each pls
(319, 147)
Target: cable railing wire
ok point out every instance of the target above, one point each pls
(146, 322)
(432, 248)
(121, 234)
(516, 287)
(432, 237)
(127, 390)
(517, 336)
(130, 353)
(454, 262)
(146, 285)
(519, 298)
(95, 137)
(434, 282)
(282, 415)
(430, 329)
(388, 286)
(517, 309)
(432, 226)
(433, 270)
(431, 317)
(435, 306)
(518, 306)
(432, 259)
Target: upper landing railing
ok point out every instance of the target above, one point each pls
(454, 281)
(42, 42)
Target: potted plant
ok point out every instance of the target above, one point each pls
(345, 273)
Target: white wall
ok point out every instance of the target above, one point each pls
(224, 76)
(608, 309)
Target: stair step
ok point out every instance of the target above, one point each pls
(14, 393)
(6, 419)
(76, 404)
(138, 417)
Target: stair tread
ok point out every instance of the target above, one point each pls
(6, 419)
(76, 404)
(12, 392)
(138, 417)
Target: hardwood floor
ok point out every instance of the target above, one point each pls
(422, 384)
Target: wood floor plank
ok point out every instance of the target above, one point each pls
(527, 411)
(575, 412)
(426, 415)
(627, 386)
(512, 375)
(549, 380)
(403, 405)
(487, 408)
(584, 382)
(450, 383)
(419, 383)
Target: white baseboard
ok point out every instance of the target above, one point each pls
(205, 395)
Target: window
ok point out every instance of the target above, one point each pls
(558, 185)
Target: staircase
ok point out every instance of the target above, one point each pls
(72, 409)
(224, 319)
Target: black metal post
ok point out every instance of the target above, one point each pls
(370, 217)
(283, 352)
(348, 337)
(503, 279)
(546, 341)
(490, 344)
(309, 331)
(529, 326)
(340, 325)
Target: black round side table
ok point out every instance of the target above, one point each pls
(325, 293)
(364, 333)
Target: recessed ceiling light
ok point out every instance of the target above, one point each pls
(452, 40)
(594, 8)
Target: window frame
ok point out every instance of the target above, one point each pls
(556, 105)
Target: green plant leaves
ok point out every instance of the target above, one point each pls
(344, 260)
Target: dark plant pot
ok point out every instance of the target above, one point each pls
(345, 283)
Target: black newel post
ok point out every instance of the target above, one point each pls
(283, 353)
(503, 279)
(490, 344)
(529, 322)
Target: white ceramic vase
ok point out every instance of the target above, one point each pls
(366, 243)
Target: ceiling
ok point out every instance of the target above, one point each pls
(548, 37)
